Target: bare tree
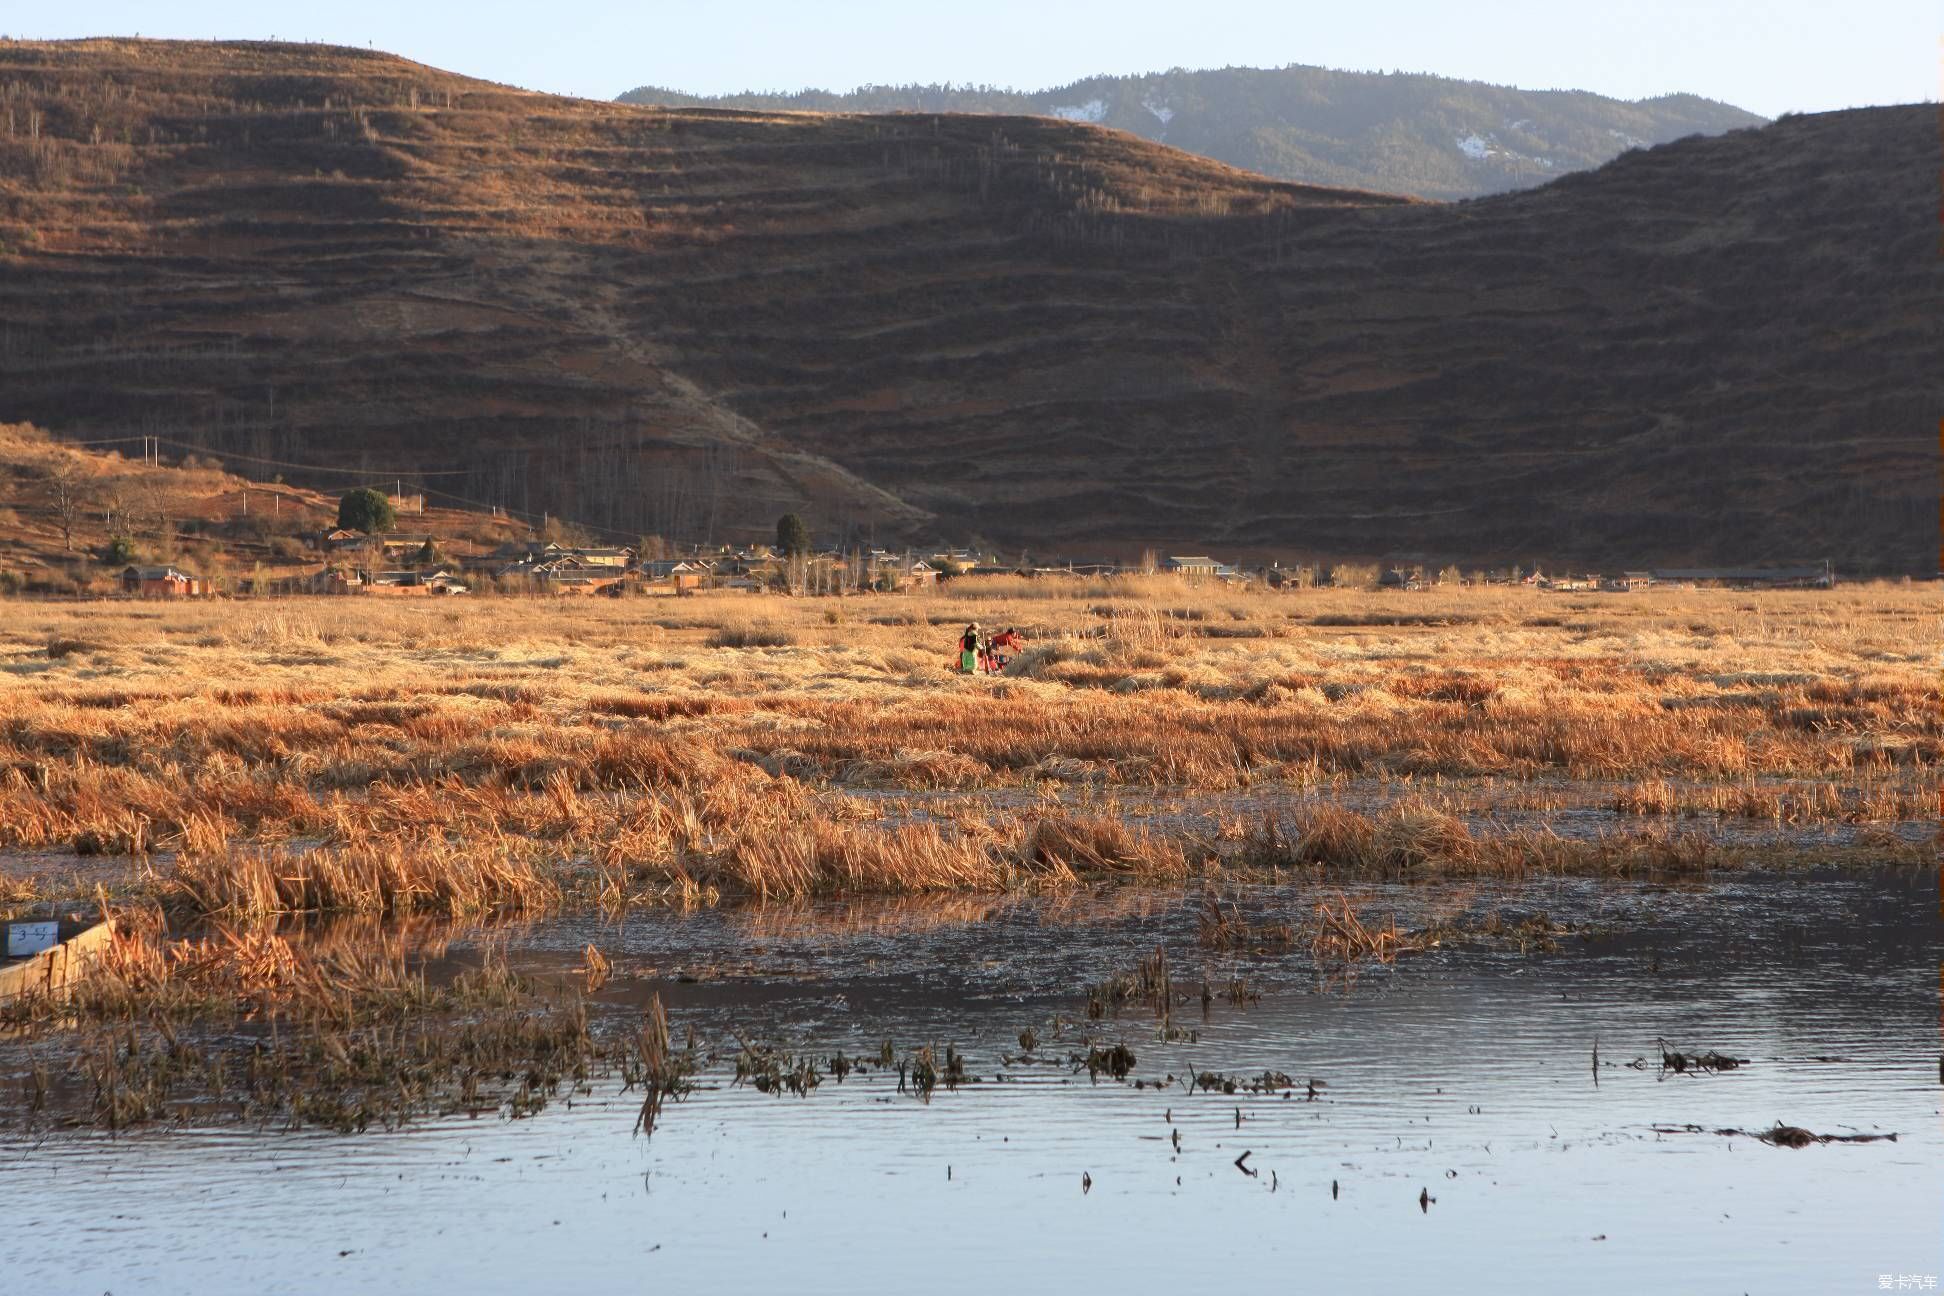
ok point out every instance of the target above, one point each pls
(372, 552)
(114, 511)
(67, 502)
(156, 506)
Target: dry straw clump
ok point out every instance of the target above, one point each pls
(392, 876)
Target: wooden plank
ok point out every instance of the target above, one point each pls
(54, 971)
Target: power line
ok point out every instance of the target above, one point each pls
(303, 467)
(528, 517)
(376, 477)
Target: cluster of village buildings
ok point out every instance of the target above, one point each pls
(1817, 577)
(414, 565)
(549, 567)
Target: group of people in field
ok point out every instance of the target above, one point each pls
(982, 654)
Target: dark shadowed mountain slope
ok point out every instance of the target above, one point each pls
(1405, 133)
(1047, 334)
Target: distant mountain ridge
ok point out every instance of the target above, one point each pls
(1406, 133)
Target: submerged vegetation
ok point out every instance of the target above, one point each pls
(251, 1025)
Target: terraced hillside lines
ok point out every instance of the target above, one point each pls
(1737, 362)
(1709, 350)
(915, 327)
(391, 266)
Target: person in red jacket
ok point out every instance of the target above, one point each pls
(1007, 639)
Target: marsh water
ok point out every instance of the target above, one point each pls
(1459, 1135)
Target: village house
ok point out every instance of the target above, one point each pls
(1402, 578)
(1573, 584)
(579, 582)
(500, 559)
(1821, 576)
(160, 582)
(618, 558)
(330, 580)
(396, 546)
(888, 572)
(564, 571)
(523, 551)
(756, 561)
(676, 575)
(1280, 577)
(534, 565)
(393, 545)
(439, 582)
(1190, 565)
(554, 563)
(392, 582)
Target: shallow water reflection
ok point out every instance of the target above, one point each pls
(1458, 1139)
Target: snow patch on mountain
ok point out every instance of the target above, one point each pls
(1091, 111)
(1480, 148)
(1161, 111)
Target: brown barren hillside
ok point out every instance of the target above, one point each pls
(1051, 335)
(63, 506)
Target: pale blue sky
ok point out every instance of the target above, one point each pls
(1769, 56)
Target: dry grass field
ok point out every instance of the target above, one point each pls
(251, 759)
